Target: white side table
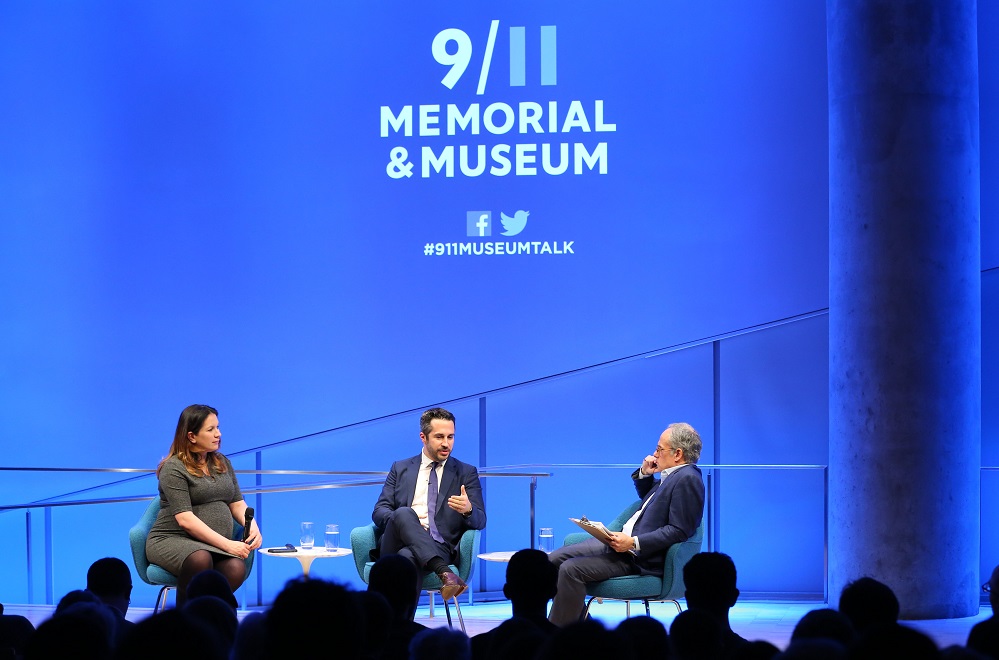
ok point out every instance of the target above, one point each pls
(306, 556)
(501, 556)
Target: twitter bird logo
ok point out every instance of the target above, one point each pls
(514, 225)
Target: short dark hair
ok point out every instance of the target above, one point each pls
(710, 580)
(868, 603)
(109, 577)
(430, 415)
(305, 606)
(530, 577)
(396, 578)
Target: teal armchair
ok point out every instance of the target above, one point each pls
(364, 539)
(157, 575)
(646, 588)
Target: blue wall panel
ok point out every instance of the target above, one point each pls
(774, 387)
(990, 421)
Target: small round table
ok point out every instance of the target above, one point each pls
(306, 556)
(500, 556)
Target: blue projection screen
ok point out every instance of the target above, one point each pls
(314, 213)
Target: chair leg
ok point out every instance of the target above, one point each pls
(648, 612)
(677, 603)
(586, 612)
(447, 611)
(430, 596)
(161, 598)
(627, 609)
(461, 621)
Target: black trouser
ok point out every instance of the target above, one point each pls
(404, 535)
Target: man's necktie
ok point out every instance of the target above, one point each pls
(432, 504)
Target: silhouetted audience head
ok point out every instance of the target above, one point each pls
(212, 583)
(825, 623)
(217, 615)
(755, 650)
(813, 649)
(710, 581)
(893, 641)
(110, 580)
(984, 636)
(170, 635)
(378, 618)
(647, 635)
(516, 638)
(306, 607)
(439, 643)
(87, 607)
(74, 597)
(584, 639)
(868, 603)
(81, 631)
(15, 630)
(396, 578)
(957, 652)
(251, 638)
(697, 635)
(531, 579)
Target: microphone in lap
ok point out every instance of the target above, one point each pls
(246, 523)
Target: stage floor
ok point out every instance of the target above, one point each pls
(768, 620)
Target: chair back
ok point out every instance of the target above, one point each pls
(676, 558)
(617, 524)
(137, 538)
(468, 551)
(362, 541)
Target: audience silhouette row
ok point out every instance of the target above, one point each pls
(316, 618)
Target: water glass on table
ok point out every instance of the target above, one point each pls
(546, 539)
(332, 538)
(308, 538)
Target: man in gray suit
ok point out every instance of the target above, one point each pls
(671, 511)
(428, 502)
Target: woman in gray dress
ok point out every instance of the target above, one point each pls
(199, 500)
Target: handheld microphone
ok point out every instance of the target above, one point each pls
(246, 523)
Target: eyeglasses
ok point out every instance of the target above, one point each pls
(660, 450)
(987, 587)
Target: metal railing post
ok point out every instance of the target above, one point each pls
(49, 569)
(534, 490)
(27, 541)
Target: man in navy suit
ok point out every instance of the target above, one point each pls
(428, 502)
(671, 511)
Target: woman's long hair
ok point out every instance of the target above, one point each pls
(191, 420)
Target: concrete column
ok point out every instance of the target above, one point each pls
(905, 301)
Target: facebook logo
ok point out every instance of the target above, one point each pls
(480, 223)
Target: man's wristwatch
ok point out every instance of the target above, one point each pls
(466, 515)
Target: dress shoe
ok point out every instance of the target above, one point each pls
(453, 586)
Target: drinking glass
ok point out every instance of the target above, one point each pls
(308, 536)
(546, 539)
(332, 538)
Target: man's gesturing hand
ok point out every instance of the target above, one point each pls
(460, 503)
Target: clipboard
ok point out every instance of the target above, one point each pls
(595, 529)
